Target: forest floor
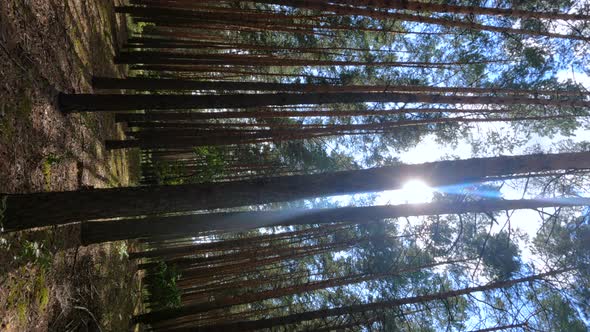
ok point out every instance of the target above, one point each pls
(48, 282)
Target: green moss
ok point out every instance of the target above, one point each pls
(47, 176)
(22, 310)
(23, 295)
(121, 249)
(41, 291)
(113, 182)
(48, 162)
(17, 297)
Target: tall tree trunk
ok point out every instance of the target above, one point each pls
(95, 232)
(503, 327)
(120, 102)
(232, 244)
(381, 15)
(266, 114)
(223, 59)
(183, 137)
(24, 211)
(467, 10)
(137, 83)
(346, 310)
(157, 316)
(159, 42)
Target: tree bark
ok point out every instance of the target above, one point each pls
(467, 10)
(266, 114)
(154, 84)
(95, 232)
(24, 211)
(121, 102)
(225, 302)
(324, 313)
(381, 15)
(223, 59)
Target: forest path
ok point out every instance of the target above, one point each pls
(47, 283)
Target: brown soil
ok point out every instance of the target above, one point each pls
(50, 46)
(47, 47)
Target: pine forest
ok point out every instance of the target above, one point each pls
(295, 165)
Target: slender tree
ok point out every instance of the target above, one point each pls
(119, 102)
(310, 315)
(93, 232)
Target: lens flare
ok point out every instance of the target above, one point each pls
(417, 191)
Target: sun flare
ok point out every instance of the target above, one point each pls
(417, 191)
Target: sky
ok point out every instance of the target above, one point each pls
(428, 150)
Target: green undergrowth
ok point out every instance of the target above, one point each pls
(28, 287)
(161, 286)
(48, 162)
(116, 287)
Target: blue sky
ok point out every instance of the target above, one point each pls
(428, 150)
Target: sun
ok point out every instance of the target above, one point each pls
(416, 191)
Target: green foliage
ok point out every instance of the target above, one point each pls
(29, 294)
(214, 163)
(500, 255)
(49, 161)
(34, 252)
(41, 291)
(560, 315)
(534, 56)
(169, 172)
(161, 286)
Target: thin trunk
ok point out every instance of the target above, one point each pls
(264, 114)
(182, 137)
(381, 15)
(161, 315)
(95, 232)
(154, 84)
(502, 327)
(467, 10)
(223, 59)
(184, 43)
(346, 310)
(210, 69)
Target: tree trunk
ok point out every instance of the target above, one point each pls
(265, 114)
(224, 59)
(138, 83)
(183, 137)
(120, 102)
(95, 232)
(157, 316)
(24, 211)
(324, 313)
(381, 15)
(467, 10)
